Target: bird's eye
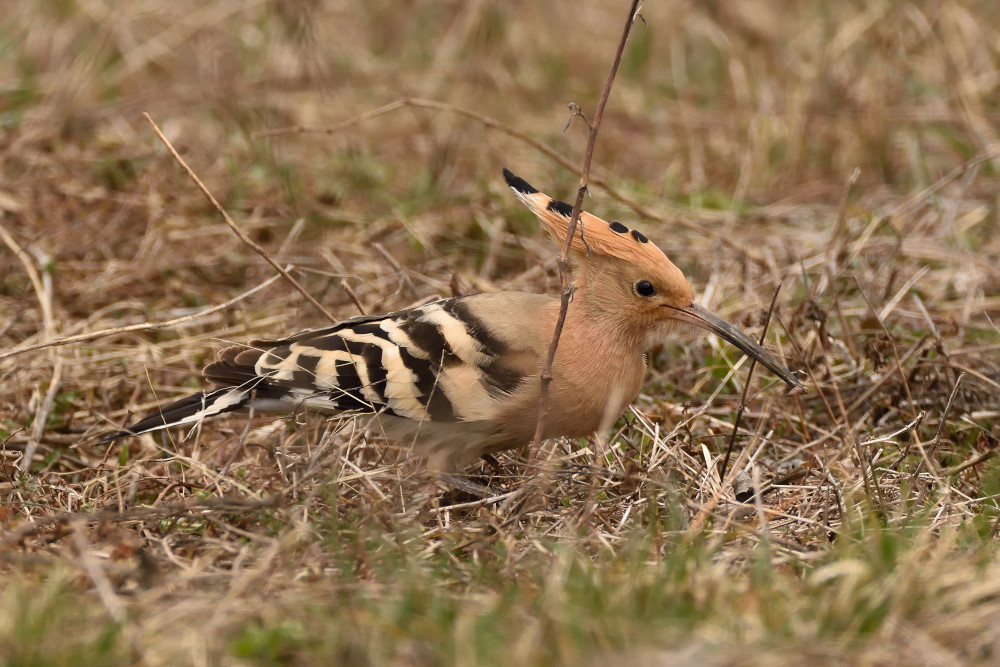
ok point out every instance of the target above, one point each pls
(645, 288)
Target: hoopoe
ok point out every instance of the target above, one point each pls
(460, 378)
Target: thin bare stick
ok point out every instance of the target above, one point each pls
(42, 415)
(563, 261)
(145, 326)
(105, 591)
(746, 387)
(965, 465)
(42, 284)
(879, 317)
(354, 297)
(232, 224)
(944, 418)
(139, 513)
(33, 276)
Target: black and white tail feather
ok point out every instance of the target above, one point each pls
(414, 364)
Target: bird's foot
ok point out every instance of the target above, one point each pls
(465, 485)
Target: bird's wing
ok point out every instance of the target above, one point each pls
(455, 360)
(438, 362)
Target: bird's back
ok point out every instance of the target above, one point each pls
(454, 361)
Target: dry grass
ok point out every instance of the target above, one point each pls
(734, 129)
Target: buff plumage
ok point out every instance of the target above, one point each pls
(459, 378)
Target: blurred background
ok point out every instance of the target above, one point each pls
(726, 118)
(730, 138)
(731, 107)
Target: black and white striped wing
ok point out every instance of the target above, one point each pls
(438, 363)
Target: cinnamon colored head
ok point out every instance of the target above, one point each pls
(652, 290)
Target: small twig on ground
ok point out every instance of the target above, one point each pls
(42, 414)
(105, 591)
(483, 502)
(15, 534)
(746, 387)
(42, 284)
(352, 296)
(965, 465)
(232, 224)
(145, 326)
(944, 418)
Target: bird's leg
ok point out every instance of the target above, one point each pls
(493, 464)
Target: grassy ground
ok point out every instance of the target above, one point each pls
(731, 139)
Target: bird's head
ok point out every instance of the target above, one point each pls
(636, 280)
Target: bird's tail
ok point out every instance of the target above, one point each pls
(193, 409)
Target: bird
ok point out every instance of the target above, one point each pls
(460, 378)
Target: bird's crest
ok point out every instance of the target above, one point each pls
(593, 235)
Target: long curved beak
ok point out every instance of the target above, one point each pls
(709, 321)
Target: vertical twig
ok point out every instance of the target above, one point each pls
(563, 261)
(103, 586)
(892, 342)
(42, 284)
(937, 435)
(746, 386)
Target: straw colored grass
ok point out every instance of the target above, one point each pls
(732, 138)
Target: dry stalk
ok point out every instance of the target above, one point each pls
(746, 387)
(232, 224)
(145, 326)
(563, 262)
(105, 591)
(42, 285)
